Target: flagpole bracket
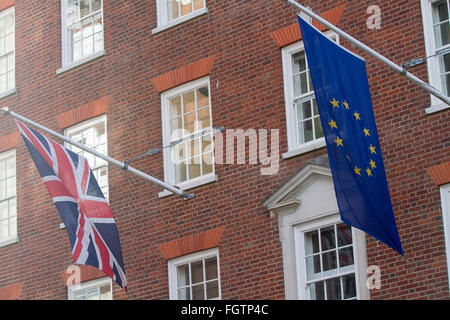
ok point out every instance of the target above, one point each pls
(5, 110)
(125, 165)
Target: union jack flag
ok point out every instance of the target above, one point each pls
(91, 228)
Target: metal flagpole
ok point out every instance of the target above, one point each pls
(373, 53)
(122, 165)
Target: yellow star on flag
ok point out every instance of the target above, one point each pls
(372, 164)
(335, 103)
(356, 114)
(345, 103)
(372, 149)
(357, 170)
(366, 132)
(339, 142)
(369, 172)
(332, 124)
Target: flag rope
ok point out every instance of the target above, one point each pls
(373, 53)
(122, 165)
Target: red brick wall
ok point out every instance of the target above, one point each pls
(247, 92)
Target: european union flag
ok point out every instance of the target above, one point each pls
(346, 113)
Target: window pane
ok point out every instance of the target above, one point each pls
(4, 229)
(346, 257)
(2, 65)
(76, 51)
(299, 62)
(88, 46)
(2, 169)
(344, 235)
(2, 189)
(10, 42)
(211, 268)
(105, 292)
(329, 261)
(327, 238)
(92, 293)
(11, 187)
(10, 167)
(312, 242)
(13, 227)
(198, 292)
(333, 289)
(297, 86)
(98, 41)
(189, 122)
(84, 8)
(349, 284)
(11, 62)
(313, 267)
(3, 83)
(442, 34)
(197, 271)
(181, 172)
(11, 80)
(12, 207)
(306, 131)
(3, 210)
(316, 291)
(96, 5)
(175, 107)
(194, 168)
(80, 295)
(189, 101)
(184, 294)
(198, 4)
(202, 97)
(207, 164)
(212, 290)
(186, 7)
(183, 275)
(172, 9)
(318, 131)
(203, 118)
(305, 110)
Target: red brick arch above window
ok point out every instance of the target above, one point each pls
(87, 273)
(4, 4)
(9, 141)
(440, 173)
(191, 244)
(291, 34)
(86, 112)
(184, 74)
(11, 292)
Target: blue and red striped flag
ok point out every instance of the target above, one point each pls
(91, 228)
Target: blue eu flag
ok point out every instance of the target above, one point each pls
(346, 113)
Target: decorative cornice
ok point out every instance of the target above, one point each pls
(80, 114)
(191, 244)
(184, 74)
(291, 34)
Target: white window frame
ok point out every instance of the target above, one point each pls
(165, 113)
(4, 14)
(85, 125)
(174, 263)
(445, 201)
(88, 285)
(67, 63)
(432, 62)
(13, 239)
(294, 148)
(163, 20)
(300, 230)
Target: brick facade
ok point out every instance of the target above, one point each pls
(247, 91)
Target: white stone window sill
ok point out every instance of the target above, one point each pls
(80, 62)
(307, 147)
(194, 183)
(436, 108)
(180, 20)
(9, 241)
(7, 93)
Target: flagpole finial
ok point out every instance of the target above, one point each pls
(5, 110)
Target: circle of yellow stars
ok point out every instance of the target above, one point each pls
(339, 142)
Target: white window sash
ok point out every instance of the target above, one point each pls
(71, 290)
(173, 264)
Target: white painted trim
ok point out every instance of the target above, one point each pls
(305, 148)
(7, 154)
(191, 184)
(174, 263)
(87, 285)
(445, 201)
(80, 62)
(433, 62)
(165, 120)
(8, 93)
(9, 241)
(179, 20)
(291, 123)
